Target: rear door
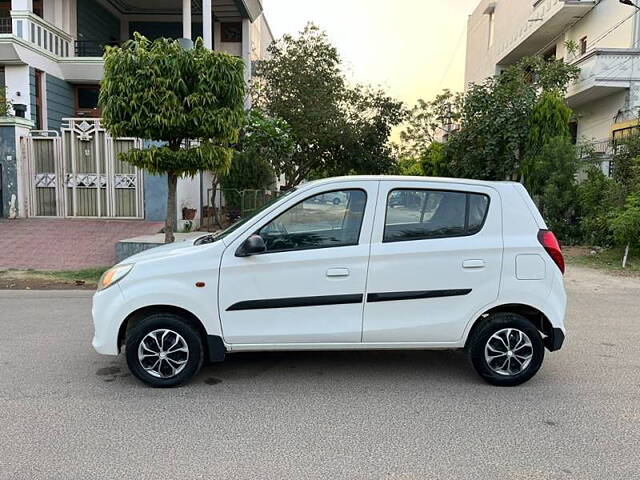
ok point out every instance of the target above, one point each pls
(308, 287)
(436, 258)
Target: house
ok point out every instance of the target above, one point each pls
(601, 37)
(55, 157)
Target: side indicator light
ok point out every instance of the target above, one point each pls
(200, 284)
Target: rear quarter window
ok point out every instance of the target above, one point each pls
(420, 214)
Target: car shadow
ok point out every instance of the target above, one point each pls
(341, 366)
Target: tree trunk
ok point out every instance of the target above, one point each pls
(170, 222)
(626, 254)
(214, 192)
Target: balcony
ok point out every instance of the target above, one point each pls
(604, 71)
(40, 34)
(547, 21)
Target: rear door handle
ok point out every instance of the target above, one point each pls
(473, 264)
(338, 272)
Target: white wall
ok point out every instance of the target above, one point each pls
(18, 87)
(595, 118)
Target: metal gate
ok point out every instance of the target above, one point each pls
(79, 174)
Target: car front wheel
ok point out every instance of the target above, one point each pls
(163, 350)
(506, 349)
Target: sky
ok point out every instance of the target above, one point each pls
(412, 48)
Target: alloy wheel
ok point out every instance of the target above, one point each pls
(163, 353)
(508, 351)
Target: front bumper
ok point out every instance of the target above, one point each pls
(105, 323)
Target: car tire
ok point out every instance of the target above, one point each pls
(163, 350)
(506, 349)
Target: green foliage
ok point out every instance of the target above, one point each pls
(433, 161)
(267, 138)
(495, 119)
(594, 195)
(625, 222)
(247, 172)
(336, 129)
(427, 120)
(558, 200)
(409, 166)
(5, 103)
(160, 91)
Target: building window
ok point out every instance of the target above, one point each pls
(37, 8)
(87, 100)
(37, 115)
(231, 32)
(583, 45)
(492, 27)
(573, 131)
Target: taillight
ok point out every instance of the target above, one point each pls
(550, 243)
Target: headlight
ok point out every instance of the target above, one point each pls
(113, 275)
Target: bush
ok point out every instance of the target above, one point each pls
(559, 198)
(247, 172)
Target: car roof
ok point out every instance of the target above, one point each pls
(402, 178)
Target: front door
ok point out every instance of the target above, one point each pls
(308, 287)
(436, 259)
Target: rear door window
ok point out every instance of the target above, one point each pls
(419, 214)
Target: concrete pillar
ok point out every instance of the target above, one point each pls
(22, 5)
(207, 24)
(186, 19)
(246, 55)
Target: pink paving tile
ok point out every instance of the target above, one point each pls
(65, 244)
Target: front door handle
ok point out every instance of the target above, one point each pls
(338, 272)
(473, 264)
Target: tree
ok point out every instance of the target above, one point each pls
(160, 91)
(495, 118)
(433, 161)
(548, 121)
(362, 147)
(428, 121)
(337, 128)
(302, 83)
(264, 142)
(558, 195)
(625, 225)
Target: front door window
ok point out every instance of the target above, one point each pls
(331, 219)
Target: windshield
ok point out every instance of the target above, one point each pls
(234, 226)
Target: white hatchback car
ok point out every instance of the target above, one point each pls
(401, 263)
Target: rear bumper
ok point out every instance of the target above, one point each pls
(554, 340)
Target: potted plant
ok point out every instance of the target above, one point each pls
(188, 213)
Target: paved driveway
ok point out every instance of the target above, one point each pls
(66, 412)
(65, 244)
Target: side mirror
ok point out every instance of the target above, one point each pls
(251, 246)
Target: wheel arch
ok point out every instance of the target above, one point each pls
(553, 337)
(213, 345)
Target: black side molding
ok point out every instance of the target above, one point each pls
(415, 295)
(554, 340)
(216, 348)
(296, 302)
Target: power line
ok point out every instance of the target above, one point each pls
(453, 56)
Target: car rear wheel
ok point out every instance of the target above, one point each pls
(163, 350)
(506, 349)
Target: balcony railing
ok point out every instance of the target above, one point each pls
(40, 33)
(91, 48)
(603, 71)
(596, 149)
(547, 21)
(5, 25)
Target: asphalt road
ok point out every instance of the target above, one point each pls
(66, 412)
